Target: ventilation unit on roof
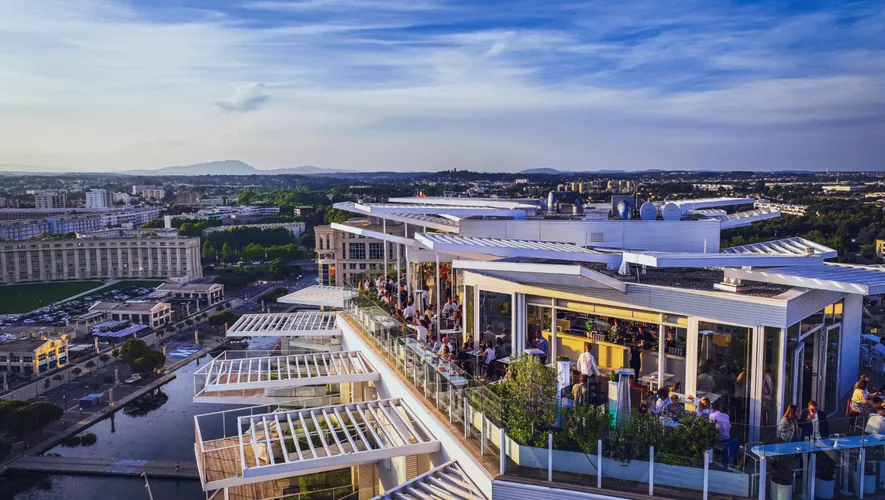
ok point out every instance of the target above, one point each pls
(732, 285)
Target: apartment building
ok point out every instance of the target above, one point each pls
(91, 258)
(187, 198)
(50, 199)
(342, 256)
(153, 194)
(99, 198)
(23, 229)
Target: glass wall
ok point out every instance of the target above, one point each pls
(539, 320)
(494, 315)
(725, 370)
(469, 311)
(771, 362)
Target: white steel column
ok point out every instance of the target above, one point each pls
(514, 334)
(408, 268)
(757, 369)
(399, 296)
(383, 242)
(691, 357)
(438, 306)
(781, 375)
(477, 333)
(662, 352)
(554, 351)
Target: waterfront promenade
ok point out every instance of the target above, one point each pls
(106, 466)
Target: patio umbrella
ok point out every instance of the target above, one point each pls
(624, 405)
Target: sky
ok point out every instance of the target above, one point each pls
(415, 85)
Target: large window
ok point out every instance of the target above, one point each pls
(771, 364)
(376, 251)
(494, 312)
(725, 371)
(357, 251)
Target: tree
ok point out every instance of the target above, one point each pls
(90, 364)
(209, 252)
(133, 349)
(77, 371)
(227, 253)
(531, 398)
(115, 353)
(7, 407)
(218, 319)
(277, 268)
(104, 357)
(46, 413)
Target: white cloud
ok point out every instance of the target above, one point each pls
(246, 97)
(104, 84)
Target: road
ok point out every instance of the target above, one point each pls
(73, 391)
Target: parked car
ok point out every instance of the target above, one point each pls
(133, 379)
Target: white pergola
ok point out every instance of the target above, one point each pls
(300, 324)
(687, 206)
(469, 202)
(507, 248)
(741, 219)
(318, 296)
(443, 224)
(864, 280)
(446, 482)
(788, 246)
(686, 259)
(426, 209)
(271, 372)
(291, 443)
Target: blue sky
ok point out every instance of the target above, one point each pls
(435, 84)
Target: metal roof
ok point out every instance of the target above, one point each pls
(368, 233)
(237, 370)
(290, 443)
(787, 246)
(424, 220)
(446, 482)
(470, 202)
(865, 280)
(461, 210)
(687, 259)
(539, 274)
(304, 323)
(741, 219)
(688, 205)
(319, 296)
(502, 247)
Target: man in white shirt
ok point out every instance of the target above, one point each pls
(409, 311)
(422, 332)
(449, 308)
(587, 363)
(876, 422)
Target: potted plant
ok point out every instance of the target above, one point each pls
(780, 484)
(824, 477)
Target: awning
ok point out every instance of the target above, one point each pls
(742, 219)
(446, 482)
(864, 280)
(507, 248)
(305, 323)
(318, 296)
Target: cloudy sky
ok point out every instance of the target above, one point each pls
(433, 84)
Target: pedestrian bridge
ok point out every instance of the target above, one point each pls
(106, 466)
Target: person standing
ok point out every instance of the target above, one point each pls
(581, 392)
(587, 363)
(636, 358)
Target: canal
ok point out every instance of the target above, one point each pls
(160, 430)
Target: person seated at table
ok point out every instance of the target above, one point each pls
(445, 342)
(488, 356)
(813, 423)
(435, 344)
(676, 410)
(468, 344)
(500, 351)
(876, 422)
(409, 310)
(703, 409)
(456, 320)
(788, 426)
(422, 330)
(445, 353)
(449, 308)
(581, 391)
(661, 404)
(541, 343)
(861, 403)
(723, 425)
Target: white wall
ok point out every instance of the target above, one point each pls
(658, 235)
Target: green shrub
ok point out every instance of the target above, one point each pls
(88, 439)
(71, 441)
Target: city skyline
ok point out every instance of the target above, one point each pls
(430, 85)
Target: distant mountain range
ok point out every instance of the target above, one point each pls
(232, 167)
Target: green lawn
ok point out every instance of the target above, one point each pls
(26, 298)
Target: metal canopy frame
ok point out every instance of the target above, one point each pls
(446, 482)
(427, 209)
(686, 259)
(318, 296)
(863, 280)
(540, 274)
(443, 224)
(469, 202)
(741, 219)
(502, 247)
(296, 370)
(298, 442)
(788, 246)
(687, 206)
(368, 233)
(302, 324)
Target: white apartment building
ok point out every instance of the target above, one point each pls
(95, 219)
(153, 194)
(50, 199)
(87, 258)
(754, 329)
(99, 198)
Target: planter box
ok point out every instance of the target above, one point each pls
(727, 483)
(780, 491)
(824, 489)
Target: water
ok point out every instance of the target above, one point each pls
(162, 433)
